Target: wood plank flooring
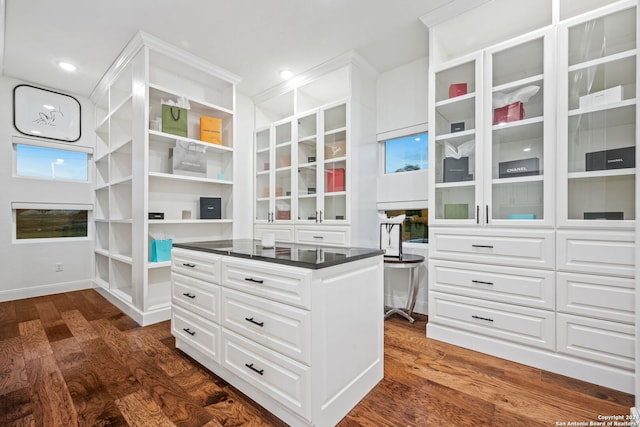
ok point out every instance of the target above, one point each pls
(74, 359)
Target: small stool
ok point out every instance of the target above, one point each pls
(411, 262)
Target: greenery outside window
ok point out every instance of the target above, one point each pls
(40, 221)
(415, 228)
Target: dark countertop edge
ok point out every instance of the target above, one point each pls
(293, 263)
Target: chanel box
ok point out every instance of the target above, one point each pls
(522, 167)
(607, 96)
(457, 127)
(456, 170)
(604, 215)
(156, 215)
(617, 158)
(210, 208)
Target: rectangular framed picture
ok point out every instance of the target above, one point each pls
(44, 113)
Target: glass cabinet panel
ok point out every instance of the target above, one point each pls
(601, 122)
(455, 142)
(262, 167)
(335, 164)
(517, 132)
(307, 168)
(282, 190)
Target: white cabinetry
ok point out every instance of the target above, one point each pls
(134, 172)
(314, 145)
(538, 268)
(283, 335)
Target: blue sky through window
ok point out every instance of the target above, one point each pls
(51, 163)
(406, 153)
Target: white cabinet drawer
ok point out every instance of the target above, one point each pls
(201, 265)
(201, 334)
(529, 287)
(289, 285)
(598, 252)
(518, 248)
(285, 380)
(522, 325)
(196, 296)
(608, 298)
(283, 233)
(280, 327)
(597, 340)
(320, 236)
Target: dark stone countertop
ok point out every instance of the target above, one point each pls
(294, 254)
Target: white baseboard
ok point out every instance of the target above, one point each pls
(41, 290)
(142, 318)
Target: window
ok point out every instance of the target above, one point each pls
(48, 162)
(408, 153)
(50, 221)
(415, 228)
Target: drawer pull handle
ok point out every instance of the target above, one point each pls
(188, 295)
(318, 237)
(482, 318)
(250, 319)
(250, 366)
(186, 264)
(189, 331)
(482, 246)
(251, 279)
(482, 283)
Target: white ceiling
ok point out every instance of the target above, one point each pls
(251, 38)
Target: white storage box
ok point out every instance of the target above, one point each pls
(606, 96)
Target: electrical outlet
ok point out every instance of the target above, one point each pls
(59, 267)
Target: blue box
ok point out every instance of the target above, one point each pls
(161, 250)
(521, 216)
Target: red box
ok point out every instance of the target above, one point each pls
(335, 180)
(508, 113)
(283, 214)
(457, 89)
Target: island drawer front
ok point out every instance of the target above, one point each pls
(611, 252)
(282, 283)
(529, 287)
(196, 296)
(598, 340)
(272, 373)
(521, 248)
(280, 327)
(323, 237)
(522, 325)
(201, 334)
(604, 297)
(201, 265)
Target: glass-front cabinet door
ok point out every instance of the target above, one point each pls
(263, 161)
(307, 185)
(520, 128)
(597, 128)
(454, 142)
(335, 173)
(282, 190)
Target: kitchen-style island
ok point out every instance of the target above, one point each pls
(298, 328)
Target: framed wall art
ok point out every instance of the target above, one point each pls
(44, 113)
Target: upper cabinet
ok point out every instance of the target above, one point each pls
(597, 129)
(164, 168)
(309, 142)
(492, 131)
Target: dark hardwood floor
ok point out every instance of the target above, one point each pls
(74, 359)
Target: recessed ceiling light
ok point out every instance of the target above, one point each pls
(286, 74)
(67, 66)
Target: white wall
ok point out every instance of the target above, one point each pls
(243, 168)
(401, 110)
(28, 269)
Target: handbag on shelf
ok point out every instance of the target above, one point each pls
(174, 120)
(188, 158)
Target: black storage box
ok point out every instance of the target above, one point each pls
(210, 208)
(604, 215)
(616, 158)
(156, 215)
(522, 167)
(457, 127)
(456, 170)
